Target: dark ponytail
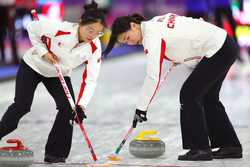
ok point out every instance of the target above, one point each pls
(119, 26)
(92, 14)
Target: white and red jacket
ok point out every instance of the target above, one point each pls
(62, 40)
(175, 39)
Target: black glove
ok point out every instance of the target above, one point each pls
(80, 114)
(140, 116)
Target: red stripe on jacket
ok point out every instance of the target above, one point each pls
(59, 32)
(83, 84)
(162, 56)
(93, 46)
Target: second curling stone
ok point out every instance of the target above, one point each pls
(142, 147)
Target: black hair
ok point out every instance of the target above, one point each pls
(92, 14)
(119, 26)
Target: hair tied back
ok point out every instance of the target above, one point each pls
(91, 7)
(137, 17)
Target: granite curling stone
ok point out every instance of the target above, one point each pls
(142, 147)
(18, 156)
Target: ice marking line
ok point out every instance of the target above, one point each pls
(111, 164)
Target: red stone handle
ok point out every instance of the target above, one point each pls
(19, 145)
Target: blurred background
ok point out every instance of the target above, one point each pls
(232, 15)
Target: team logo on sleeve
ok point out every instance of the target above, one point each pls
(59, 44)
(171, 21)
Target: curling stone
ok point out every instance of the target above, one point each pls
(149, 147)
(17, 156)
